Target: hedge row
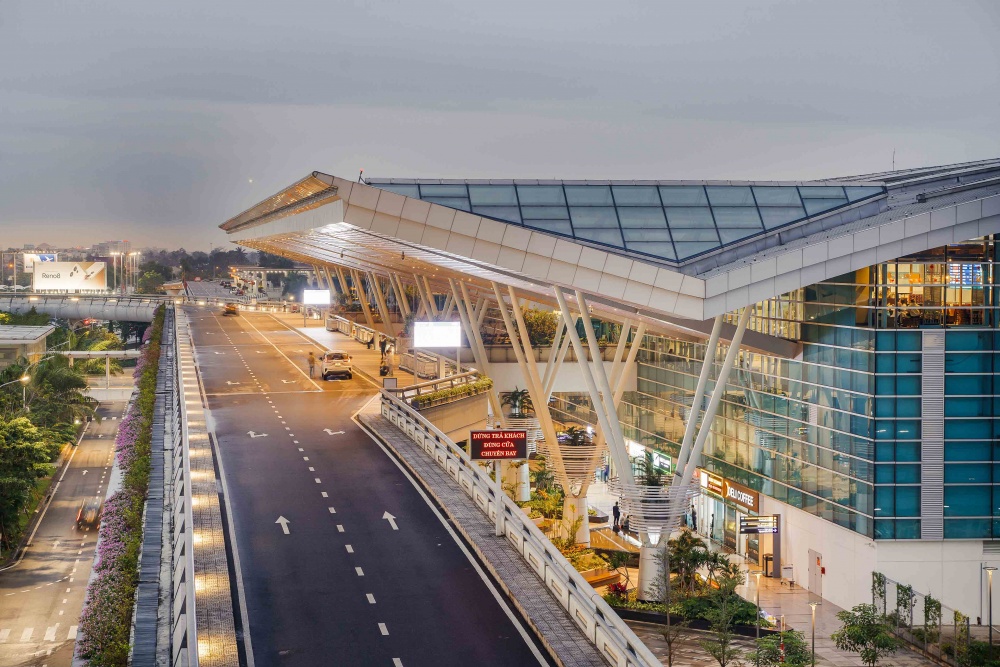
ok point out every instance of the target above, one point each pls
(107, 615)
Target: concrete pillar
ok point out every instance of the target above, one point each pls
(523, 483)
(573, 508)
(649, 569)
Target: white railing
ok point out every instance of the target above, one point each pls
(358, 332)
(414, 392)
(420, 364)
(183, 626)
(595, 618)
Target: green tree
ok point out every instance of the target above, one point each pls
(150, 283)
(687, 553)
(55, 393)
(541, 325)
(24, 459)
(865, 632)
(519, 401)
(725, 607)
(768, 651)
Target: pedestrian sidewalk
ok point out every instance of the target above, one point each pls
(778, 598)
(366, 361)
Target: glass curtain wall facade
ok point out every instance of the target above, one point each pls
(836, 431)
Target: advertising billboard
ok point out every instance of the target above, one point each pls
(316, 297)
(437, 334)
(71, 276)
(32, 258)
(498, 445)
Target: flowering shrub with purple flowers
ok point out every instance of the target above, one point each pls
(107, 616)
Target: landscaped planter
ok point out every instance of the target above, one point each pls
(695, 623)
(597, 517)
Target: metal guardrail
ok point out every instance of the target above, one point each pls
(421, 365)
(595, 618)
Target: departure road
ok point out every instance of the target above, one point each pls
(343, 560)
(42, 596)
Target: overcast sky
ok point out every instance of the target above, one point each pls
(155, 122)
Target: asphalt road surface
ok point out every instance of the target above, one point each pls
(338, 583)
(42, 596)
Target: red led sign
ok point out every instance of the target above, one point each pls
(502, 445)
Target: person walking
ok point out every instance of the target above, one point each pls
(382, 343)
(616, 513)
(312, 364)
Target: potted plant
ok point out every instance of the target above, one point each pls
(519, 401)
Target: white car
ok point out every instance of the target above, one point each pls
(337, 363)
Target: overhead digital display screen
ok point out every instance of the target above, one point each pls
(437, 334)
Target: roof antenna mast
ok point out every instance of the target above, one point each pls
(362, 173)
(894, 159)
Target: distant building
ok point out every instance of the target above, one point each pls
(21, 341)
(29, 246)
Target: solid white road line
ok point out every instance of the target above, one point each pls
(496, 594)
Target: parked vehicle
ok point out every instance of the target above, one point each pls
(231, 309)
(337, 363)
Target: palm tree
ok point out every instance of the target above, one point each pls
(519, 401)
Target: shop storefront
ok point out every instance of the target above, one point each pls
(717, 511)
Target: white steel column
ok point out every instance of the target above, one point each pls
(699, 396)
(397, 288)
(359, 286)
(540, 403)
(475, 337)
(426, 301)
(720, 389)
(334, 291)
(383, 307)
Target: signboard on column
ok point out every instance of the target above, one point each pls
(70, 276)
(316, 297)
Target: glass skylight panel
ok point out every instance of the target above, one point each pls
(593, 216)
(492, 195)
(774, 216)
(636, 195)
(642, 216)
(856, 192)
(544, 195)
(776, 195)
(683, 195)
(685, 250)
(664, 250)
(814, 206)
(451, 202)
(695, 234)
(589, 195)
(600, 235)
(743, 217)
(724, 195)
(819, 198)
(731, 235)
(508, 213)
(401, 189)
(658, 235)
(545, 212)
(434, 190)
(690, 216)
(555, 226)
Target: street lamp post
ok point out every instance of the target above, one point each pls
(989, 615)
(757, 624)
(814, 604)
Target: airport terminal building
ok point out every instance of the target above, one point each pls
(863, 405)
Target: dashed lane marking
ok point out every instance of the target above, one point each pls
(350, 549)
(371, 598)
(360, 572)
(340, 528)
(384, 630)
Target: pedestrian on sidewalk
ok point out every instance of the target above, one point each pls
(312, 364)
(382, 343)
(616, 513)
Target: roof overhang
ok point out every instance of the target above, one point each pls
(362, 227)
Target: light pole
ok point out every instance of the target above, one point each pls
(757, 624)
(989, 615)
(814, 604)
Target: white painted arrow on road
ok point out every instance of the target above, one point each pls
(391, 519)
(231, 382)
(331, 432)
(84, 472)
(256, 435)
(288, 382)
(284, 524)
(220, 352)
